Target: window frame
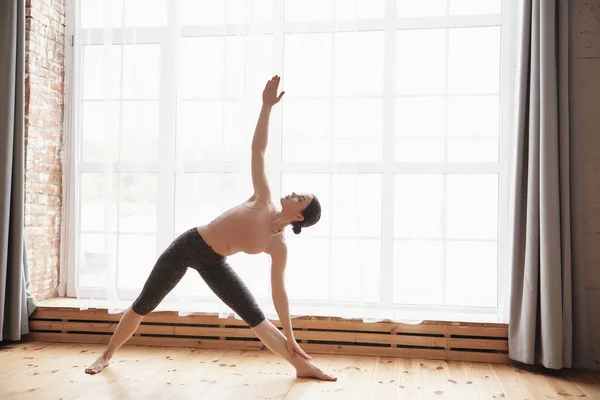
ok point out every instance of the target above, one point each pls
(169, 172)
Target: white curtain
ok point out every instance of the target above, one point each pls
(392, 117)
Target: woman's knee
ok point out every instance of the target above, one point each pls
(256, 318)
(142, 308)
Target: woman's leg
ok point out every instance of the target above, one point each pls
(230, 288)
(277, 343)
(127, 326)
(167, 272)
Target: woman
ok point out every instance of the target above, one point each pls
(253, 227)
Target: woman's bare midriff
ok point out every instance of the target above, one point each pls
(210, 237)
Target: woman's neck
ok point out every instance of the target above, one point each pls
(279, 221)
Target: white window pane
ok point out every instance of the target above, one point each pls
(201, 68)
(139, 141)
(305, 139)
(238, 11)
(473, 128)
(137, 256)
(92, 202)
(307, 64)
(201, 12)
(219, 13)
(248, 64)
(239, 124)
(200, 130)
(359, 54)
(306, 150)
(140, 118)
(200, 199)
(357, 150)
(421, 117)
(473, 150)
(356, 270)
(308, 10)
(91, 14)
(358, 129)
(101, 14)
(471, 274)
(99, 130)
(320, 186)
(98, 204)
(235, 66)
(137, 205)
(249, 11)
(92, 71)
(419, 150)
(94, 250)
(475, 116)
(101, 72)
(141, 71)
(305, 268)
(417, 274)
(418, 202)
(145, 13)
(421, 61)
(472, 206)
(474, 60)
(263, 10)
(358, 9)
(358, 205)
(216, 130)
(190, 285)
(358, 118)
(255, 271)
(472, 7)
(417, 8)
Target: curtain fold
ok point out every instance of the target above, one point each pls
(15, 302)
(542, 308)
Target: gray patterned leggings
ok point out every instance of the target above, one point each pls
(190, 250)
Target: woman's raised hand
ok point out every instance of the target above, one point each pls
(270, 97)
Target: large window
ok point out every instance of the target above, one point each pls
(395, 115)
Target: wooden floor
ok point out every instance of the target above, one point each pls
(36, 370)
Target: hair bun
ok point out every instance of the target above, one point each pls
(297, 229)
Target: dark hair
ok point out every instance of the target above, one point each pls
(311, 214)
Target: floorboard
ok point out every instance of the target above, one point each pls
(37, 370)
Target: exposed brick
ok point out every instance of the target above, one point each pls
(44, 109)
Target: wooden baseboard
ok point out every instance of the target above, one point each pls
(451, 341)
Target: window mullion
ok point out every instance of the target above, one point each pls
(445, 175)
(70, 224)
(278, 66)
(167, 127)
(276, 134)
(505, 157)
(387, 195)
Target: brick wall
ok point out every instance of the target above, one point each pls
(586, 88)
(44, 87)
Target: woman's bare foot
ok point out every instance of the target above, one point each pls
(315, 372)
(98, 365)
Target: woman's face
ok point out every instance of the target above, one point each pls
(296, 202)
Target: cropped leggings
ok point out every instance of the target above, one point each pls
(190, 250)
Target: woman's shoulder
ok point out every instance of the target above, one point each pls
(276, 243)
(259, 203)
